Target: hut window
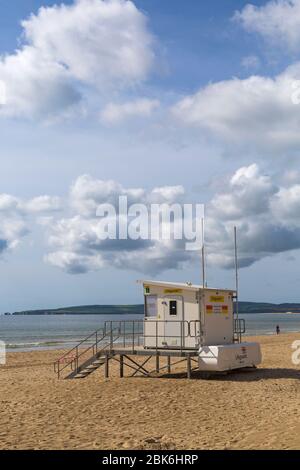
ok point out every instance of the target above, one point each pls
(151, 306)
(173, 308)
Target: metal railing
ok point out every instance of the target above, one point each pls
(159, 344)
(134, 334)
(93, 344)
(239, 329)
(129, 334)
(195, 329)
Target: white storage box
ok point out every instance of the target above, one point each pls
(229, 357)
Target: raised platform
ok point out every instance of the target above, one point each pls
(212, 359)
(141, 351)
(124, 356)
(123, 341)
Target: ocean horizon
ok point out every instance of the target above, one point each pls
(42, 332)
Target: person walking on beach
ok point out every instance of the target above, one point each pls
(278, 330)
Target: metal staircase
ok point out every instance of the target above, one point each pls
(88, 355)
(94, 350)
(90, 366)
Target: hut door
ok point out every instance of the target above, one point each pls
(173, 317)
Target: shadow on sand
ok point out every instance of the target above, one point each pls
(246, 375)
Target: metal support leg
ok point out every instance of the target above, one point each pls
(169, 364)
(189, 367)
(157, 363)
(121, 366)
(106, 366)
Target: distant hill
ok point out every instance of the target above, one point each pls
(244, 307)
(261, 307)
(88, 310)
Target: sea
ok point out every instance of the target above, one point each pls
(32, 332)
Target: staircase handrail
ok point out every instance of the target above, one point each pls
(75, 349)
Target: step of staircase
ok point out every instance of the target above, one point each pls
(88, 367)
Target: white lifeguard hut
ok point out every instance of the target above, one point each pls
(182, 321)
(188, 317)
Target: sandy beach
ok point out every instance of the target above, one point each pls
(246, 410)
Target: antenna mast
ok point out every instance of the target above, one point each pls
(236, 273)
(203, 255)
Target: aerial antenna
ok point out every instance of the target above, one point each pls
(236, 273)
(203, 254)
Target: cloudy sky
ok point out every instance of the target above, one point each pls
(162, 102)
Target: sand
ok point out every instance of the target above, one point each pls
(246, 410)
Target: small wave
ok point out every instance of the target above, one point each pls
(40, 344)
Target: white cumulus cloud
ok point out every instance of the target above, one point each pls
(259, 111)
(78, 243)
(265, 211)
(278, 21)
(43, 204)
(115, 113)
(104, 44)
(16, 217)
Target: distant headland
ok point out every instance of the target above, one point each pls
(244, 308)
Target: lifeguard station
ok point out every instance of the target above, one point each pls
(182, 323)
(191, 317)
(187, 316)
